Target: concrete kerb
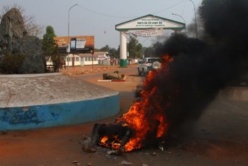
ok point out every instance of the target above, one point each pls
(46, 100)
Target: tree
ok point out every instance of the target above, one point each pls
(105, 48)
(111, 51)
(50, 48)
(48, 42)
(134, 48)
(31, 27)
(148, 51)
(10, 63)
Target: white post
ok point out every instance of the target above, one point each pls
(123, 49)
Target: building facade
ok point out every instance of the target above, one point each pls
(79, 51)
(87, 59)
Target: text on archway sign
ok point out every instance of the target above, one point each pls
(149, 22)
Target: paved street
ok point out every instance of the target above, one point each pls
(220, 137)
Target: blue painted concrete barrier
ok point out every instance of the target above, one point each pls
(21, 118)
(48, 100)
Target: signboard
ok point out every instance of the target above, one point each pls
(150, 22)
(80, 44)
(75, 44)
(147, 32)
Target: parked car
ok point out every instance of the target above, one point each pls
(147, 64)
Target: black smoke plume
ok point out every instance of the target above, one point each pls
(202, 67)
(185, 86)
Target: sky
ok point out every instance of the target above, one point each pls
(98, 18)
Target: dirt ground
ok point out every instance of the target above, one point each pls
(220, 137)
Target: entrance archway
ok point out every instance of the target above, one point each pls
(143, 23)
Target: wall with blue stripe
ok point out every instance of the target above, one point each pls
(61, 114)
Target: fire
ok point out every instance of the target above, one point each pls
(146, 116)
(114, 143)
(104, 140)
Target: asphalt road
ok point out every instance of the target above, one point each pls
(218, 138)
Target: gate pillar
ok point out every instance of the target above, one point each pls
(123, 49)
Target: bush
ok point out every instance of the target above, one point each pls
(58, 62)
(11, 63)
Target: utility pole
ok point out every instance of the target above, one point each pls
(196, 31)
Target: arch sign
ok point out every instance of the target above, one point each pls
(146, 26)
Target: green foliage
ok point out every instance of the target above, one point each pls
(134, 48)
(105, 48)
(58, 61)
(113, 53)
(49, 46)
(50, 49)
(148, 51)
(11, 63)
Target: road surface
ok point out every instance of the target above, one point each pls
(220, 137)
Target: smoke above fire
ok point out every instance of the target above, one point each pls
(202, 67)
(193, 72)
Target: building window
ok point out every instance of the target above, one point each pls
(77, 59)
(68, 59)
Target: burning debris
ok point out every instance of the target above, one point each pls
(193, 71)
(113, 136)
(143, 125)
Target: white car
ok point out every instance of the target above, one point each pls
(147, 64)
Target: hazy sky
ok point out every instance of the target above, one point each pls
(99, 17)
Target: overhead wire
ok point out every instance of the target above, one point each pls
(114, 16)
(99, 13)
(172, 6)
(183, 8)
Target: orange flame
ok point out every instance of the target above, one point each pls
(145, 116)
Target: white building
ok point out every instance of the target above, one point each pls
(82, 59)
(87, 59)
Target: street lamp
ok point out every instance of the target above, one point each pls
(180, 17)
(68, 46)
(196, 32)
